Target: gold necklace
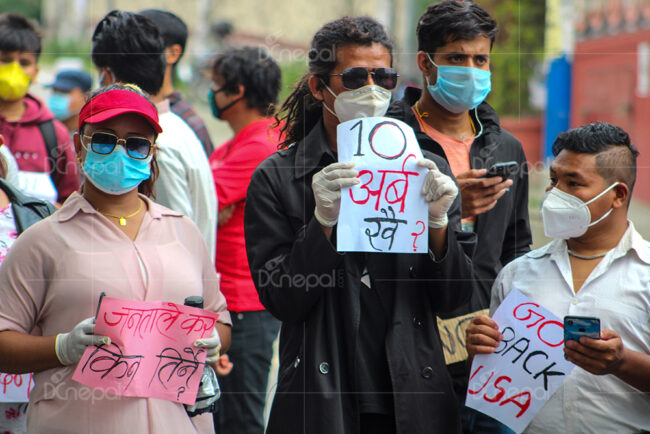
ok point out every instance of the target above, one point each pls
(124, 218)
(423, 115)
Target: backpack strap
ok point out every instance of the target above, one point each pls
(52, 146)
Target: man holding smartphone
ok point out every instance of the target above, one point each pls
(598, 266)
(451, 119)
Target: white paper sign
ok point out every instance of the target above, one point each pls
(37, 184)
(15, 387)
(513, 384)
(386, 212)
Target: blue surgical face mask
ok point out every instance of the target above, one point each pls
(459, 88)
(59, 105)
(116, 173)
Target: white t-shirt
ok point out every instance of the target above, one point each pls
(185, 183)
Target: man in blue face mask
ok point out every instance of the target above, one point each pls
(451, 119)
(70, 90)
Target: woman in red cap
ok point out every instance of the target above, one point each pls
(108, 238)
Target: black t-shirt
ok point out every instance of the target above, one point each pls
(373, 377)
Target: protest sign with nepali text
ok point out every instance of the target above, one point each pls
(151, 353)
(386, 212)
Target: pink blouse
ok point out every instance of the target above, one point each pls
(51, 280)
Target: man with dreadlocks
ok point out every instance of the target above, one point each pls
(359, 349)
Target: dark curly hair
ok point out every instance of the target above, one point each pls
(145, 187)
(453, 20)
(256, 71)
(615, 154)
(300, 112)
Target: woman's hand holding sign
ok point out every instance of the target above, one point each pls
(70, 346)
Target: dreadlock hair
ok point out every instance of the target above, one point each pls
(300, 112)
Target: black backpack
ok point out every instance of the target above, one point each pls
(52, 146)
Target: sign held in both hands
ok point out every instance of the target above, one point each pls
(152, 352)
(386, 211)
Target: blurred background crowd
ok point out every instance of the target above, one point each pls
(556, 63)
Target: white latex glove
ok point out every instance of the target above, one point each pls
(212, 345)
(327, 186)
(439, 191)
(70, 346)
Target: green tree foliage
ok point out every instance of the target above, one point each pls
(516, 53)
(29, 8)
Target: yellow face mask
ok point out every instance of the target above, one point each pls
(14, 82)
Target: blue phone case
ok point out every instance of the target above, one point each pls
(576, 327)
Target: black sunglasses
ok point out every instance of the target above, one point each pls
(357, 76)
(137, 148)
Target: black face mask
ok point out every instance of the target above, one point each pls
(217, 111)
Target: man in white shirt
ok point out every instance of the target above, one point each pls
(128, 48)
(598, 265)
(185, 182)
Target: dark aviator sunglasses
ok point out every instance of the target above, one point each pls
(357, 76)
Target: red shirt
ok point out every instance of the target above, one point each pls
(233, 164)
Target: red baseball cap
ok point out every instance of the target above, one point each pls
(115, 102)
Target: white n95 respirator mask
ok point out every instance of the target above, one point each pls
(366, 102)
(566, 216)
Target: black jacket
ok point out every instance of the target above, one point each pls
(504, 231)
(314, 291)
(27, 210)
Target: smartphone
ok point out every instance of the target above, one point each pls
(504, 170)
(576, 327)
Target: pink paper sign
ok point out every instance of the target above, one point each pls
(152, 352)
(15, 387)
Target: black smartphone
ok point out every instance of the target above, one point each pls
(504, 170)
(576, 327)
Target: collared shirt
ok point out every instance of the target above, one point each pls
(185, 182)
(179, 106)
(51, 280)
(618, 292)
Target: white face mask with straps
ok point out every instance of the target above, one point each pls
(367, 101)
(566, 216)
